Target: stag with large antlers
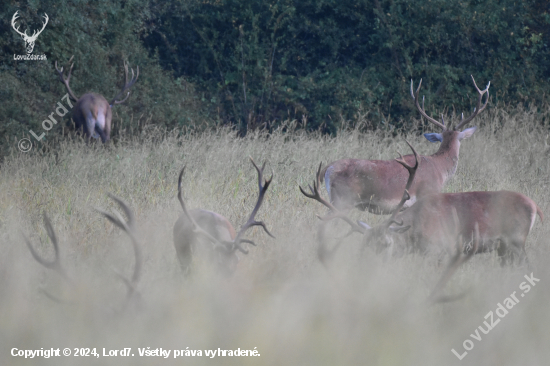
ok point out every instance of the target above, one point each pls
(92, 111)
(504, 218)
(126, 226)
(376, 185)
(498, 221)
(361, 227)
(194, 226)
(29, 40)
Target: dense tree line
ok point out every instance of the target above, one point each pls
(256, 63)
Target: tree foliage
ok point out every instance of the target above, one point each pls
(256, 63)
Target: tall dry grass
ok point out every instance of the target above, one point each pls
(359, 310)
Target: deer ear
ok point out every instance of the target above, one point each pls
(467, 133)
(434, 137)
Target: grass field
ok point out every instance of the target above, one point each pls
(360, 310)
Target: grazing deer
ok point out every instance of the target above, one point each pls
(29, 40)
(92, 112)
(376, 185)
(127, 226)
(216, 230)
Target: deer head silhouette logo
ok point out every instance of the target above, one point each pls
(29, 40)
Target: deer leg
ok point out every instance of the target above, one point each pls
(90, 125)
(503, 253)
(101, 133)
(518, 249)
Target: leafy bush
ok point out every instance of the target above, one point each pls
(255, 64)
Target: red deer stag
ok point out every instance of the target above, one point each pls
(215, 229)
(504, 218)
(92, 112)
(375, 185)
(494, 220)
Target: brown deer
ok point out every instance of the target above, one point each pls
(223, 240)
(376, 185)
(504, 218)
(498, 221)
(92, 112)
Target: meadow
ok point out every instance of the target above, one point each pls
(359, 309)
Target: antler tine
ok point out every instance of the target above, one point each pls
(251, 220)
(412, 172)
(260, 174)
(127, 85)
(421, 109)
(334, 212)
(66, 80)
(129, 228)
(315, 191)
(411, 168)
(478, 109)
(54, 264)
(458, 259)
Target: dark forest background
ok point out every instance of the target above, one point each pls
(255, 64)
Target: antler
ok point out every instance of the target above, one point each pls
(127, 85)
(477, 109)
(231, 246)
(458, 259)
(463, 121)
(129, 228)
(67, 79)
(251, 220)
(422, 110)
(55, 263)
(406, 196)
(334, 212)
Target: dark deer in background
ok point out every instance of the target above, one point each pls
(92, 112)
(222, 239)
(29, 40)
(376, 185)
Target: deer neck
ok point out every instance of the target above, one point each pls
(447, 155)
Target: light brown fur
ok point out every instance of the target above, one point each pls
(377, 185)
(505, 219)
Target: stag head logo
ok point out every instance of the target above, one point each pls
(29, 40)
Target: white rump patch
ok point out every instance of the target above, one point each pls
(533, 218)
(328, 173)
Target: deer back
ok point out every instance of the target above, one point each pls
(504, 218)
